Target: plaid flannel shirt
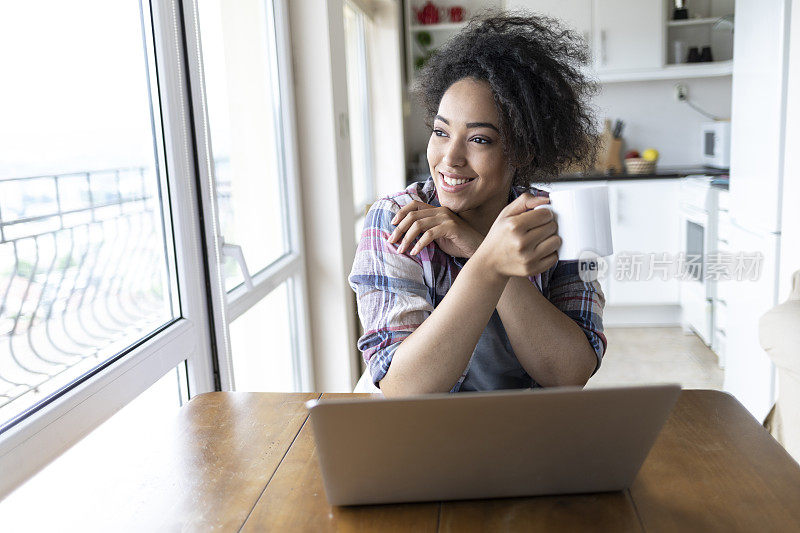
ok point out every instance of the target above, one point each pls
(396, 292)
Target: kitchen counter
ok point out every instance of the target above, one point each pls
(659, 173)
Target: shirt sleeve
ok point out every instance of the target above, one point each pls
(393, 299)
(580, 300)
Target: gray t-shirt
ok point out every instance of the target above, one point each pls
(493, 364)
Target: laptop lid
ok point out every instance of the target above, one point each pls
(486, 444)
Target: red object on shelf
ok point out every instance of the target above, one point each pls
(456, 14)
(429, 14)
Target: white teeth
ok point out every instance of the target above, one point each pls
(453, 182)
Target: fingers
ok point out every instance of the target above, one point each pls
(540, 255)
(408, 220)
(425, 239)
(543, 264)
(534, 218)
(539, 233)
(532, 202)
(418, 227)
(548, 246)
(538, 243)
(523, 203)
(408, 208)
(407, 215)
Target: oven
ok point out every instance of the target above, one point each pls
(698, 212)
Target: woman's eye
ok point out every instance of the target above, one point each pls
(439, 133)
(481, 140)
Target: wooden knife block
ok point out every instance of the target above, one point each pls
(608, 152)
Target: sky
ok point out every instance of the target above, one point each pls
(73, 94)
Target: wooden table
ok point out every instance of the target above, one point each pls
(248, 461)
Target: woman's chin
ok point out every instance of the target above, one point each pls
(453, 204)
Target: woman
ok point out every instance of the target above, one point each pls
(458, 281)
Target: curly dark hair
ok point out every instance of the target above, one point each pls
(533, 66)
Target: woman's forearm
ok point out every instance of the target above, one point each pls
(435, 355)
(549, 345)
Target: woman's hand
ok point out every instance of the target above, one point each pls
(451, 233)
(522, 241)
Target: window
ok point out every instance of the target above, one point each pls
(85, 236)
(261, 320)
(374, 87)
(101, 286)
(356, 25)
(115, 142)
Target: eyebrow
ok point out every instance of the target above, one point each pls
(472, 124)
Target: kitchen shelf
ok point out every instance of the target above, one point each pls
(445, 26)
(670, 72)
(692, 22)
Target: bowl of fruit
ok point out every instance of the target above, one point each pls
(641, 164)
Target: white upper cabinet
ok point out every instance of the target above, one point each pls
(576, 15)
(628, 35)
(623, 35)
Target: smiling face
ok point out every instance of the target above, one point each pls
(465, 153)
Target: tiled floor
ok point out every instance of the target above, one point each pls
(657, 355)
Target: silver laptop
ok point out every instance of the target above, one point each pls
(486, 444)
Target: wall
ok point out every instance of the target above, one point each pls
(317, 34)
(653, 118)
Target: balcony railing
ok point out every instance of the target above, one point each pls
(83, 273)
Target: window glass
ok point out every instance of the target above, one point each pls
(261, 342)
(243, 108)
(355, 27)
(86, 252)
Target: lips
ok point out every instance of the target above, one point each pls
(454, 182)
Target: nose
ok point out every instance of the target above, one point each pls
(454, 154)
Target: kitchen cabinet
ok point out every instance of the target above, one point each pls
(719, 341)
(749, 372)
(628, 35)
(628, 38)
(645, 224)
(575, 15)
(623, 34)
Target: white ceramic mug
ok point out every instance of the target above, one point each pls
(584, 223)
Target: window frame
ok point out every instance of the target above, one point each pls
(44, 434)
(365, 113)
(290, 268)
